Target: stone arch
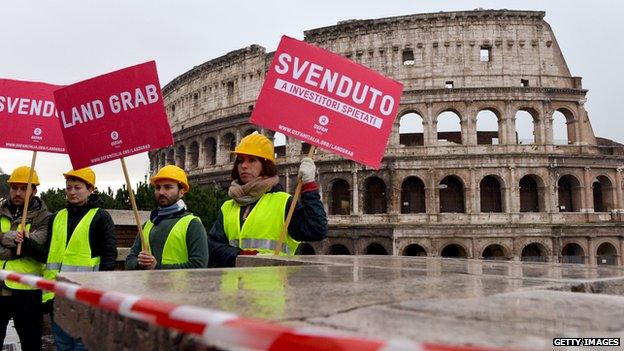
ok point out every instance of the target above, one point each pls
(525, 126)
(449, 127)
(606, 254)
(414, 250)
(228, 144)
(491, 194)
(488, 127)
(413, 195)
(531, 188)
(375, 249)
(564, 126)
(306, 249)
(451, 194)
(279, 143)
(411, 129)
(603, 194)
(193, 154)
(572, 253)
(569, 193)
(338, 249)
(495, 252)
(170, 156)
(181, 157)
(534, 252)
(249, 131)
(163, 159)
(340, 197)
(375, 195)
(453, 250)
(210, 151)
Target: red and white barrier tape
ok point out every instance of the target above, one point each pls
(222, 328)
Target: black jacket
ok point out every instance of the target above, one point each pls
(308, 223)
(101, 234)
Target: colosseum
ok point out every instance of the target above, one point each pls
(492, 154)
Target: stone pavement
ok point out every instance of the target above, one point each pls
(452, 301)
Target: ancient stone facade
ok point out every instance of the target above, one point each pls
(462, 192)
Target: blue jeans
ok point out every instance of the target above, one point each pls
(64, 341)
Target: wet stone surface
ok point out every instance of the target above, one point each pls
(452, 301)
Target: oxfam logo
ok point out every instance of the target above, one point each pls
(323, 120)
(114, 135)
(37, 131)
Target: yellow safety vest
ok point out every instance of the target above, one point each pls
(25, 265)
(262, 228)
(175, 250)
(72, 256)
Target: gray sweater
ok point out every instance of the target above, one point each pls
(196, 243)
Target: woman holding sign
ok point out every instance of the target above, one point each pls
(251, 222)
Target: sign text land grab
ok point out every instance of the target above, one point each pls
(28, 116)
(329, 101)
(114, 115)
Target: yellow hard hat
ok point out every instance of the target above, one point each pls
(20, 175)
(174, 173)
(256, 144)
(85, 174)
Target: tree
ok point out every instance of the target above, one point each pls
(4, 186)
(54, 199)
(205, 203)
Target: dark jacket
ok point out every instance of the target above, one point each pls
(101, 234)
(38, 217)
(308, 223)
(196, 243)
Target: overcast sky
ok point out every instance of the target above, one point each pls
(62, 42)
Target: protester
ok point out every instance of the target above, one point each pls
(82, 240)
(17, 301)
(251, 222)
(175, 237)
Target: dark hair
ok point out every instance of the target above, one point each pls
(89, 186)
(268, 168)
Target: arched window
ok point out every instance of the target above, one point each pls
(572, 253)
(163, 159)
(602, 189)
(491, 196)
(375, 249)
(210, 151)
(606, 254)
(413, 195)
(411, 130)
(181, 157)
(374, 195)
(451, 195)
(228, 145)
(534, 252)
(279, 142)
(414, 250)
(454, 250)
(487, 128)
(569, 190)
(305, 249)
(170, 157)
(449, 128)
(529, 194)
(494, 252)
(194, 155)
(525, 127)
(340, 201)
(338, 249)
(562, 127)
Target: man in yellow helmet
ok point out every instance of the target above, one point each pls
(82, 239)
(18, 301)
(252, 221)
(176, 238)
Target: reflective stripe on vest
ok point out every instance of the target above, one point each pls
(175, 250)
(25, 265)
(262, 228)
(72, 256)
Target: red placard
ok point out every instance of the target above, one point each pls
(329, 101)
(113, 116)
(28, 116)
